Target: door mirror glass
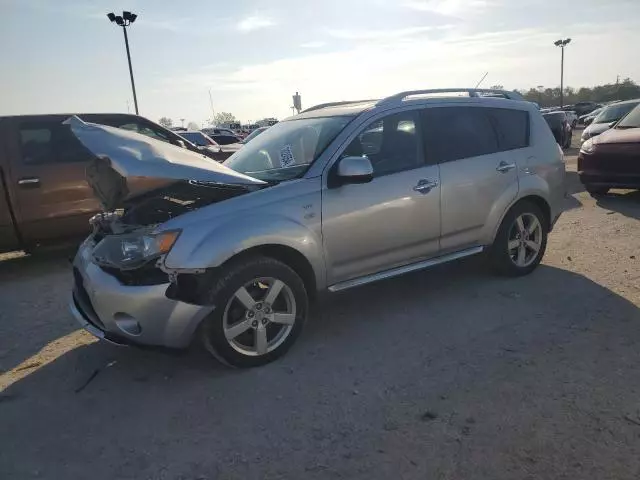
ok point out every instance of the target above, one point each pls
(613, 123)
(180, 143)
(354, 170)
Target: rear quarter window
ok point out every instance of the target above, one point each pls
(512, 127)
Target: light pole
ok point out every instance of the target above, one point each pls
(124, 20)
(562, 43)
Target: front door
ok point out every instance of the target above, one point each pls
(395, 219)
(47, 176)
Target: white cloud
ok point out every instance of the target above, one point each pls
(375, 34)
(254, 22)
(446, 7)
(313, 44)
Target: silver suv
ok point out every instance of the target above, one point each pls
(342, 195)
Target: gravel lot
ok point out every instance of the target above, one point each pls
(446, 374)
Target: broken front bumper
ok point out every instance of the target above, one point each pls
(124, 314)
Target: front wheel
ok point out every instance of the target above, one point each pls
(261, 306)
(521, 241)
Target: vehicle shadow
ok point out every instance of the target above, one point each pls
(368, 364)
(626, 203)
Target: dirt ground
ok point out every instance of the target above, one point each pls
(446, 374)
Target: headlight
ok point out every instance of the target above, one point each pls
(130, 251)
(588, 147)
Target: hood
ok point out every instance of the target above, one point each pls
(595, 129)
(618, 135)
(122, 154)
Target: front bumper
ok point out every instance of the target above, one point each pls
(123, 314)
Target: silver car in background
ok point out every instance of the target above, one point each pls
(342, 195)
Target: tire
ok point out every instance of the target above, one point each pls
(252, 274)
(501, 258)
(596, 192)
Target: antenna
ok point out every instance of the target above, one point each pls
(211, 103)
(482, 79)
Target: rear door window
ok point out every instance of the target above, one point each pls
(512, 127)
(49, 143)
(453, 133)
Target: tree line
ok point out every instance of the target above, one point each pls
(550, 97)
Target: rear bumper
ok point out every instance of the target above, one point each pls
(130, 315)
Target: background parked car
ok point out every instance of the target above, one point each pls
(253, 135)
(611, 160)
(588, 118)
(560, 126)
(218, 131)
(572, 117)
(608, 117)
(582, 108)
(205, 142)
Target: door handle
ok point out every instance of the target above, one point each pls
(424, 186)
(504, 167)
(29, 182)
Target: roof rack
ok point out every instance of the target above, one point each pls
(336, 104)
(472, 92)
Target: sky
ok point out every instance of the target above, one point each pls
(253, 55)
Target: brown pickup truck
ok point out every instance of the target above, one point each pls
(44, 196)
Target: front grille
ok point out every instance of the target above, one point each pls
(82, 297)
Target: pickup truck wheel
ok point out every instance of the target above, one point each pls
(596, 191)
(261, 306)
(521, 241)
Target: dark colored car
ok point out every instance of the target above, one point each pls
(582, 108)
(560, 126)
(612, 159)
(44, 196)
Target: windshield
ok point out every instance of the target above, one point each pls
(287, 149)
(614, 113)
(632, 120)
(198, 138)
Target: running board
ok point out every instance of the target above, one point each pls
(394, 272)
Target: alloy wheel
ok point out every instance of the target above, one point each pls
(524, 240)
(259, 317)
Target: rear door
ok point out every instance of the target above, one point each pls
(52, 199)
(478, 167)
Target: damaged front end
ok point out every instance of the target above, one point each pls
(143, 183)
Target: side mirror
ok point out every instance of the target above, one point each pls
(353, 170)
(180, 143)
(612, 124)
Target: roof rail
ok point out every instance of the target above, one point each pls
(472, 92)
(336, 104)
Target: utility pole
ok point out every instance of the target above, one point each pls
(562, 43)
(124, 20)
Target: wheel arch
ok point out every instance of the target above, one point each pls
(537, 200)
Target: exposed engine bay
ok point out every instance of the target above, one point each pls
(133, 203)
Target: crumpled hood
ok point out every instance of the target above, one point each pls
(134, 155)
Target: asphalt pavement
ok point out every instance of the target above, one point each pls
(450, 373)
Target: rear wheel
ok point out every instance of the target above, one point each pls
(521, 241)
(261, 306)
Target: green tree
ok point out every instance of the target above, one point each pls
(222, 118)
(166, 122)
